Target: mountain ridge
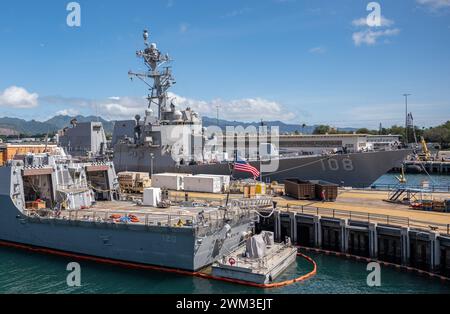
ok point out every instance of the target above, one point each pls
(16, 125)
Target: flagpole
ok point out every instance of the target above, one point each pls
(260, 170)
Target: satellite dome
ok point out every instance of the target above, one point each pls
(177, 115)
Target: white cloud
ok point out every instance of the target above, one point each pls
(237, 12)
(120, 108)
(247, 109)
(435, 4)
(18, 97)
(68, 112)
(363, 22)
(370, 37)
(317, 50)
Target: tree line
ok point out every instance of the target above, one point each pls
(439, 134)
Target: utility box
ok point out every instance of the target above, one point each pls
(170, 181)
(261, 188)
(300, 189)
(152, 197)
(204, 184)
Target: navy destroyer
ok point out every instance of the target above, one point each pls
(171, 140)
(53, 202)
(151, 143)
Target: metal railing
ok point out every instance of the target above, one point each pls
(115, 217)
(431, 187)
(389, 220)
(204, 224)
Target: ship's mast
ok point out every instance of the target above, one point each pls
(161, 76)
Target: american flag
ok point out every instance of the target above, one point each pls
(243, 166)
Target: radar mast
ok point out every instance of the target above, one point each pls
(160, 75)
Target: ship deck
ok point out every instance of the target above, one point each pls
(131, 213)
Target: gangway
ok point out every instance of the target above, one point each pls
(411, 195)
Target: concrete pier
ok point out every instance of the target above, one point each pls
(422, 249)
(359, 223)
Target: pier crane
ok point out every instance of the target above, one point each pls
(425, 155)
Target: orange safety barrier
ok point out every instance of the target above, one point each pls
(165, 269)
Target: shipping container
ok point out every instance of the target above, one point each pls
(170, 181)
(9, 151)
(224, 180)
(300, 189)
(205, 184)
(327, 189)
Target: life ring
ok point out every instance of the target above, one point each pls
(133, 218)
(115, 216)
(232, 261)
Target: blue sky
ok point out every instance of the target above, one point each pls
(297, 61)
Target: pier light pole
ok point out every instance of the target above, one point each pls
(406, 118)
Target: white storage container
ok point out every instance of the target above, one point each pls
(152, 197)
(205, 184)
(170, 181)
(224, 180)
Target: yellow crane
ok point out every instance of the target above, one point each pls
(402, 178)
(425, 155)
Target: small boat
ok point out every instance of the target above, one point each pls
(259, 260)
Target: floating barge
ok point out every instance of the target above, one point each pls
(259, 261)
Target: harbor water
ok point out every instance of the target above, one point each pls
(22, 272)
(414, 180)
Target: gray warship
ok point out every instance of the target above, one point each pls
(55, 203)
(150, 144)
(172, 140)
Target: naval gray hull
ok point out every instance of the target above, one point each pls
(356, 170)
(178, 248)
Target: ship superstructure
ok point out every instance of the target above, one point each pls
(169, 136)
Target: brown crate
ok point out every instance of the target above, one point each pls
(299, 189)
(331, 190)
(39, 205)
(249, 191)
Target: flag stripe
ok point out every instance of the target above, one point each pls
(244, 166)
